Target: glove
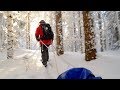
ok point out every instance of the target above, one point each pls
(37, 38)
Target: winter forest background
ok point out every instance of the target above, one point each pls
(84, 32)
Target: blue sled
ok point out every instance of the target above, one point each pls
(78, 73)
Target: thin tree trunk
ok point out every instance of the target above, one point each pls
(101, 31)
(75, 44)
(90, 51)
(118, 24)
(1, 39)
(10, 39)
(59, 34)
(104, 34)
(80, 31)
(28, 31)
(1, 31)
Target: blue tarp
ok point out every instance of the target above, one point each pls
(78, 73)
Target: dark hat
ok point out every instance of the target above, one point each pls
(42, 22)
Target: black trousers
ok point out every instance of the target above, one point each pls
(45, 54)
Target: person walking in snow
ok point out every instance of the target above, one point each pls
(45, 36)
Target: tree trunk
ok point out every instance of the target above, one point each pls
(118, 24)
(10, 39)
(104, 34)
(80, 31)
(28, 31)
(59, 34)
(101, 31)
(90, 51)
(1, 31)
(74, 26)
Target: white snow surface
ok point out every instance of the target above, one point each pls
(27, 64)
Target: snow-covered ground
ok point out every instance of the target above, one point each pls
(27, 65)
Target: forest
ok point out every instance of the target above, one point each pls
(76, 33)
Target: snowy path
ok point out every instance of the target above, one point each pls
(107, 65)
(23, 68)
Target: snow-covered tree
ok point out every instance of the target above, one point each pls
(71, 33)
(75, 32)
(10, 37)
(81, 31)
(59, 34)
(1, 31)
(67, 25)
(28, 31)
(111, 29)
(90, 51)
(99, 30)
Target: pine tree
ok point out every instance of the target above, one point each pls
(10, 39)
(90, 51)
(59, 34)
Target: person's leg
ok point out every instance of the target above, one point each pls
(45, 55)
(42, 55)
